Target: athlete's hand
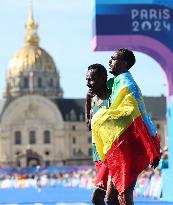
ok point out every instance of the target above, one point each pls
(88, 122)
(89, 95)
(155, 163)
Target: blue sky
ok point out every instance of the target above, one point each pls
(65, 32)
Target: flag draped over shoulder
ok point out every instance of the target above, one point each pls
(124, 134)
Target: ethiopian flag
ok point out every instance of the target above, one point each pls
(125, 137)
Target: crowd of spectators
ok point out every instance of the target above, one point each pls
(149, 183)
(38, 179)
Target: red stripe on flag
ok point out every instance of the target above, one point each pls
(130, 154)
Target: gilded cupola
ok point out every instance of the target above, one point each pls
(32, 70)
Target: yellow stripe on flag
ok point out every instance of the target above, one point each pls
(109, 124)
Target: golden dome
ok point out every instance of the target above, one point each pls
(31, 69)
(30, 58)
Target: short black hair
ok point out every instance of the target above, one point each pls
(98, 67)
(127, 55)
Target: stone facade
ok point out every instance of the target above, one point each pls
(33, 122)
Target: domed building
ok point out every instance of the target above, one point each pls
(32, 69)
(37, 125)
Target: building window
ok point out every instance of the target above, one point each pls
(158, 126)
(14, 82)
(90, 152)
(47, 137)
(89, 140)
(51, 83)
(81, 117)
(17, 136)
(73, 127)
(26, 82)
(74, 140)
(67, 117)
(32, 137)
(72, 115)
(40, 83)
(47, 153)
